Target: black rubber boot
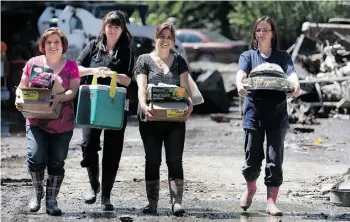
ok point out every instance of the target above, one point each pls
(108, 179)
(152, 189)
(93, 173)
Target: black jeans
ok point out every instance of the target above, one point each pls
(254, 155)
(153, 135)
(112, 147)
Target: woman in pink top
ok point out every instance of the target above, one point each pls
(48, 139)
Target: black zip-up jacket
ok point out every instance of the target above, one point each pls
(95, 55)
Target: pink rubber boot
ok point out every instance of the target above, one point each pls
(272, 193)
(247, 198)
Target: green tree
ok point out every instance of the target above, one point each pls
(235, 19)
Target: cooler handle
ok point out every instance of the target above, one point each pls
(112, 86)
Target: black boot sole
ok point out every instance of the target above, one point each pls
(178, 213)
(34, 209)
(90, 201)
(54, 213)
(149, 211)
(107, 207)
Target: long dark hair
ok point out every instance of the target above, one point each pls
(274, 40)
(116, 18)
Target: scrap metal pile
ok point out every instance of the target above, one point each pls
(323, 65)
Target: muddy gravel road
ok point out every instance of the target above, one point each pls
(213, 181)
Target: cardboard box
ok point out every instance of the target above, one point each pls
(166, 93)
(36, 103)
(169, 111)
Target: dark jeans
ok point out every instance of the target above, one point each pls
(112, 147)
(254, 155)
(47, 149)
(153, 135)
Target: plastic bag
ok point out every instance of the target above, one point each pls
(197, 97)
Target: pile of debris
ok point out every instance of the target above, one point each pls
(322, 61)
(322, 58)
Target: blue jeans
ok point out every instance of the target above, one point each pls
(47, 149)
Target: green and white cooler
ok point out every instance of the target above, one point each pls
(101, 106)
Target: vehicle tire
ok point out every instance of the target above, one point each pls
(206, 57)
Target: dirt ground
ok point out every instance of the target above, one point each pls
(213, 181)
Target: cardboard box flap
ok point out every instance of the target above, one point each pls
(33, 95)
(169, 105)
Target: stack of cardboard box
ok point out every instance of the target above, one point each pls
(169, 102)
(36, 101)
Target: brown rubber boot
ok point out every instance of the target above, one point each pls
(152, 189)
(247, 198)
(272, 193)
(35, 202)
(176, 193)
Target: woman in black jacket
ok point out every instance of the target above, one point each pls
(110, 51)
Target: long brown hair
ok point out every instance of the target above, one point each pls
(165, 25)
(274, 40)
(116, 18)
